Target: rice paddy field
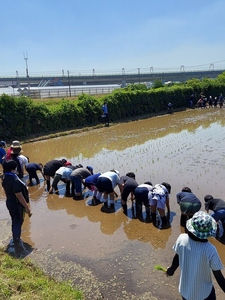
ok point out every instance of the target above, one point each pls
(113, 256)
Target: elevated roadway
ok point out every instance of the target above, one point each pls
(94, 79)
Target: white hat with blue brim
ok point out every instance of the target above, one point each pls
(202, 225)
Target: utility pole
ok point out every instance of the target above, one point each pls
(17, 80)
(68, 73)
(25, 56)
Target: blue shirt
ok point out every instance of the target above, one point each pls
(2, 154)
(32, 168)
(105, 108)
(92, 179)
(67, 174)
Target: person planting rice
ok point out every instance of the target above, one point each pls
(189, 205)
(159, 201)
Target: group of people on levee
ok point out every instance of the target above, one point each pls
(204, 102)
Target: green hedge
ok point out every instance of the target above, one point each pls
(22, 117)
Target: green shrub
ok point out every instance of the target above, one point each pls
(22, 117)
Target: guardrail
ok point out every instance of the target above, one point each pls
(122, 71)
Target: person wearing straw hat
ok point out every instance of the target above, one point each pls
(15, 147)
(197, 257)
(16, 150)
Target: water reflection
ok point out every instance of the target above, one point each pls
(147, 233)
(184, 149)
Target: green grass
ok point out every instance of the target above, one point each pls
(20, 279)
(53, 101)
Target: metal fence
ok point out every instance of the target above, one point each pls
(67, 91)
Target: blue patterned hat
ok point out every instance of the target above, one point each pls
(202, 225)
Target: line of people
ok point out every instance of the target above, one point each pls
(190, 204)
(211, 102)
(154, 198)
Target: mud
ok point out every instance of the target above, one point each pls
(111, 256)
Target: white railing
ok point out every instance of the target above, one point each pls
(67, 91)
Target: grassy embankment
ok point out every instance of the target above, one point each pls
(54, 101)
(20, 279)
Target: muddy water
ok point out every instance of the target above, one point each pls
(115, 255)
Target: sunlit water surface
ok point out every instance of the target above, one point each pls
(184, 149)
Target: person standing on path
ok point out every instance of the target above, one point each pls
(105, 113)
(17, 199)
(197, 257)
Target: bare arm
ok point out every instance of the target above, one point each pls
(22, 200)
(43, 175)
(115, 193)
(120, 187)
(168, 203)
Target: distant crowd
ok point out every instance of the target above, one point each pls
(204, 102)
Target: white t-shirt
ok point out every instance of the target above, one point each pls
(196, 261)
(149, 187)
(61, 170)
(158, 193)
(23, 160)
(112, 176)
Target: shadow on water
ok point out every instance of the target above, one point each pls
(184, 149)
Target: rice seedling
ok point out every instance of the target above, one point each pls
(160, 268)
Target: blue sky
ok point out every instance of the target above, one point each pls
(109, 35)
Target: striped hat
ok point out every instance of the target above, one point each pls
(202, 225)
